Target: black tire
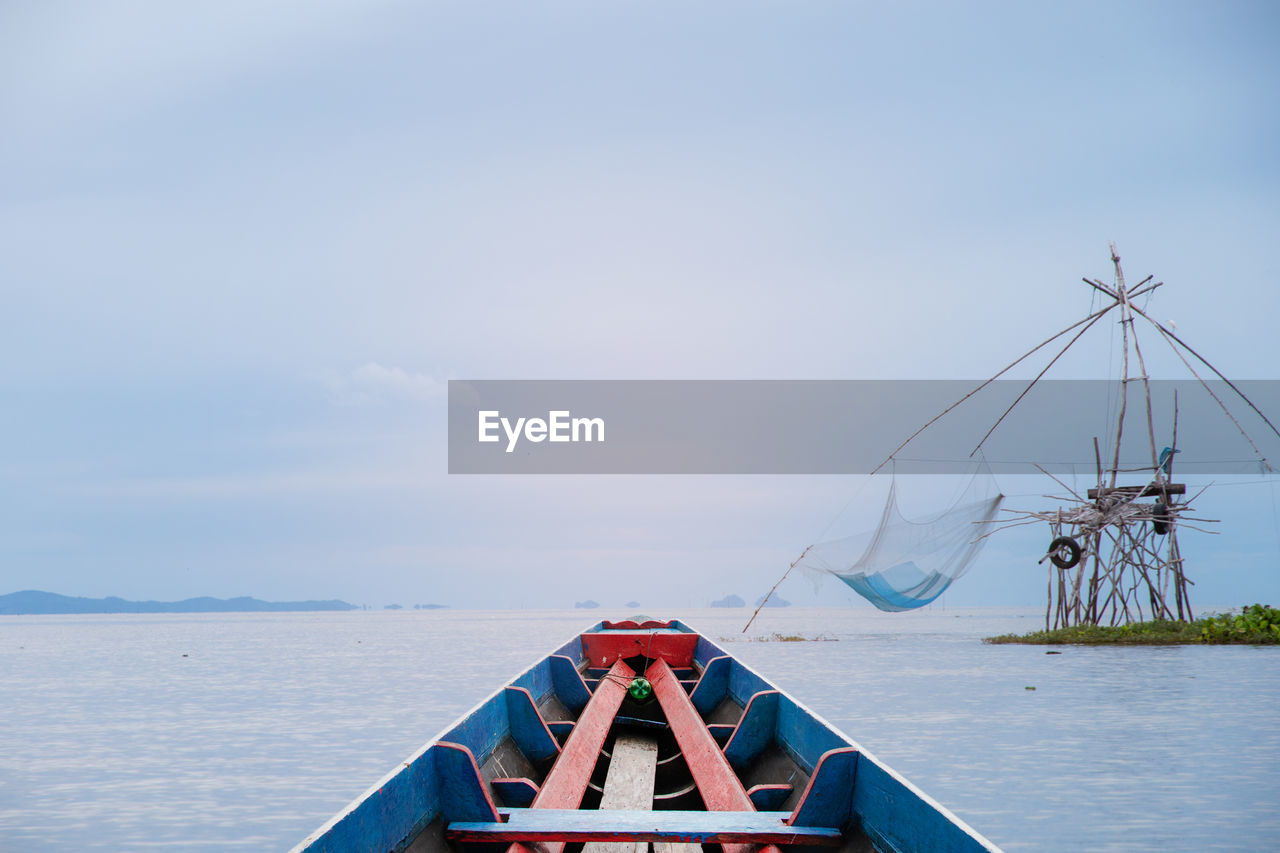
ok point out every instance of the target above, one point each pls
(1064, 552)
(1160, 518)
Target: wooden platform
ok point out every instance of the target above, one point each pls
(1133, 492)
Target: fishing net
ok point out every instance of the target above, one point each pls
(904, 564)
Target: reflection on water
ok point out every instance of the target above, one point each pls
(246, 731)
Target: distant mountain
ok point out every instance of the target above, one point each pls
(775, 601)
(588, 604)
(730, 600)
(35, 602)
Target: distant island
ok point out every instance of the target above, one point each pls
(732, 600)
(37, 603)
(588, 604)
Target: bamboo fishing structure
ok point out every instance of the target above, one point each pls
(1114, 557)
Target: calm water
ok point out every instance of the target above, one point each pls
(245, 732)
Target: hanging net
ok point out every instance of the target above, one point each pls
(905, 564)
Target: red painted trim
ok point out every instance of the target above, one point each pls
(632, 625)
(719, 786)
(604, 649)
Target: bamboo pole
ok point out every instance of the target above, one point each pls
(1092, 613)
(774, 588)
(1142, 365)
(1221, 404)
(1206, 363)
(1094, 316)
(1126, 319)
(1032, 383)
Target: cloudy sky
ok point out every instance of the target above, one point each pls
(245, 246)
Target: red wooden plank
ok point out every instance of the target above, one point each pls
(604, 649)
(631, 624)
(567, 782)
(719, 786)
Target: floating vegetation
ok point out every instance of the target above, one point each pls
(776, 637)
(1257, 624)
(792, 638)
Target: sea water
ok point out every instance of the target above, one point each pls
(247, 731)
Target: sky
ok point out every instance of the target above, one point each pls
(245, 246)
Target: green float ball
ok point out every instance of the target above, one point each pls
(640, 690)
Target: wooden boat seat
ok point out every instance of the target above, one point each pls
(466, 798)
(517, 792)
(828, 798)
(570, 692)
(710, 695)
(570, 688)
(528, 729)
(567, 825)
(561, 728)
(516, 765)
(712, 685)
(829, 792)
(754, 731)
(721, 731)
(769, 798)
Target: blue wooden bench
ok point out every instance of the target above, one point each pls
(569, 825)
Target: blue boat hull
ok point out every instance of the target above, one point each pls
(501, 760)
